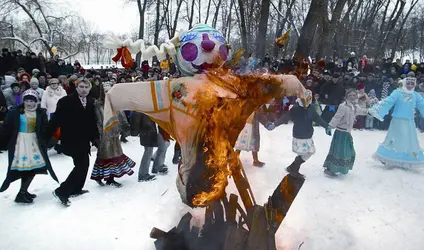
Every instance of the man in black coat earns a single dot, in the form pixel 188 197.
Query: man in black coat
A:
pixel 3 107
pixel 6 62
pixel 75 116
pixel 332 94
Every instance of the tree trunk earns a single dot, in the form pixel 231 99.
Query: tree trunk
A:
pixel 207 11
pixel 215 16
pixel 141 11
pixel 243 30
pixel 263 27
pixel 308 29
pixel 398 36
pixel 88 53
pixel 391 26
pixel 174 27
pixel 229 22
pixel 278 29
pixel 157 28
pixel 227 27
pixel 282 25
pixel 367 24
pixel 329 29
pixel 199 8
pixel 190 20
pixel 37 26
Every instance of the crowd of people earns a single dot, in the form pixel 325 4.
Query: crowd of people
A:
pixel 328 81
pixel 46 104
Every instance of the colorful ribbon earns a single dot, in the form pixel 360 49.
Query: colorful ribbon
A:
pixel 125 55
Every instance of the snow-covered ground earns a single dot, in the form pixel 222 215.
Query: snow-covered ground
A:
pixel 371 208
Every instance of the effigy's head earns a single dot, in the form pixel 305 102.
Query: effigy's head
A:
pixel 200 49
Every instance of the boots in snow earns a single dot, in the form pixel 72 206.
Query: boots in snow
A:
pixel 123 139
pixel 65 201
pixel 329 173
pixel 163 171
pixel 79 193
pixel 32 196
pixel 100 183
pixel 146 178
pixel 293 169
pixel 113 183
pixel 23 198
pixel 58 148
pixel 258 164
pixel 177 155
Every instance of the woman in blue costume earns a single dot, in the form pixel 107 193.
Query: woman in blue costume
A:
pixel 22 132
pixel 401 147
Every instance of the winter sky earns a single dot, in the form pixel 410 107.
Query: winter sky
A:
pixel 108 15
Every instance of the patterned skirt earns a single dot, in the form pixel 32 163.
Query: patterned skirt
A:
pixel 303 147
pixel 27 155
pixel 112 168
pixel 249 138
pixel 342 154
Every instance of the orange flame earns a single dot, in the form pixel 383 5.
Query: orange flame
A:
pixel 225 120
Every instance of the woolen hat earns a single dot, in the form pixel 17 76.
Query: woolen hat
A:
pixel 35 71
pixel 15 84
pixel 9 80
pixel 34 80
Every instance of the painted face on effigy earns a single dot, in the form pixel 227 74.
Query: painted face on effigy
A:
pixel 201 48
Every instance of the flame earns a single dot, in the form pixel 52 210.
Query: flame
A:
pixel 224 118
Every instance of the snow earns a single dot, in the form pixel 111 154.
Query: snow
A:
pixel 371 208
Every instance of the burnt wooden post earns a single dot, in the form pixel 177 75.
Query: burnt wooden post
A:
pixel 226 232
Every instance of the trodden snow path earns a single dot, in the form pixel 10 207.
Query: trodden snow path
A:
pixel 371 208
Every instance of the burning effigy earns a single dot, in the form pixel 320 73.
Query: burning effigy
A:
pixel 205 112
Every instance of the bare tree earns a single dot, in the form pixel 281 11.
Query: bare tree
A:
pixel 329 27
pixel 243 29
pixel 49 28
pixel 304 43
pixel 263 28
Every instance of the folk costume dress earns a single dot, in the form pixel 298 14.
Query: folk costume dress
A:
pixel 23 132
pixel 111 162
pixel 303 115
pixel 401 147
pixel 341 157
pixel 249 138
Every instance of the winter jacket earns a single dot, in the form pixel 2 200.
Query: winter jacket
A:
pixel 372 100
pixel 332 94
pixel 8 138
pixel 6 64
pixel 362 100
pixel 148 132
pixel 344 119
pixel 3 107
pixel 8 81
pixel 40 93
pixel 50 99
pixel 12 99
pixel 77 125
pixel 42 63
pixel 31 63
pixel 303 119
